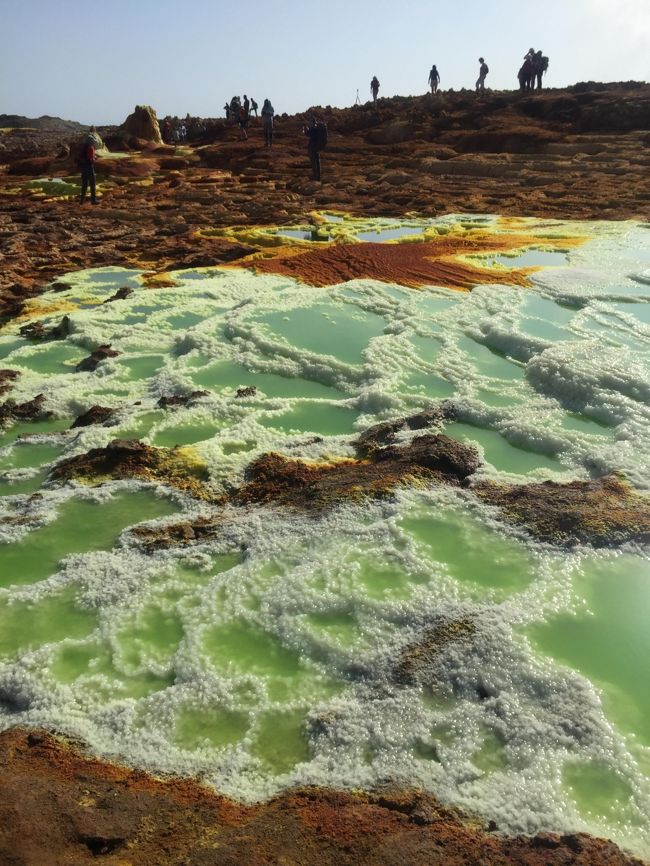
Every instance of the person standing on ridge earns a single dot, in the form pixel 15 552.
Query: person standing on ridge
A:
pixel 242 120
pixel 87 158
pixel 434 78
pixel 540 65
pixel 316 132
pixel 247 105
pixel 374 87
pixel 254 106
pixel 267 122
pixel 482 74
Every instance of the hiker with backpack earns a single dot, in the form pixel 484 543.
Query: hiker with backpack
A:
pixel 540 65
pixel 87 158
pixel 482 74
pixel 434 78
pixel 253 106
pixel 374 87
pixel 268 113
pixel 316 132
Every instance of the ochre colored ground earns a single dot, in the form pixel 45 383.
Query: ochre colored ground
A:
pixel 412 264
pixel 60 808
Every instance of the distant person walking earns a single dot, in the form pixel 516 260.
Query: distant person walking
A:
pixel 253 106
pixel 374 87
pixel 482 75
pixel 87 158
pixel 268 114
pixel 247 105
pixel 434 78
pixel 316 132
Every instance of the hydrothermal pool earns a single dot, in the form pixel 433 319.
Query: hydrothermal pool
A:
pixel 273 652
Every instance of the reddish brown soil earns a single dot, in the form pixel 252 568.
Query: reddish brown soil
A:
pixel 61 808
pixel 603 513
pixel 573 154
pixel 409 264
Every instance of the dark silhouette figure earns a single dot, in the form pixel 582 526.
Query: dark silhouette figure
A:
pixel 254 106
pixel 313 147
pixel 247 105
pixel 267 122
pixel 87 159
pixel 525 74
pixel 482 75
pixel 434 78
pixel 242 120
pixel 374 87
pixel 540 65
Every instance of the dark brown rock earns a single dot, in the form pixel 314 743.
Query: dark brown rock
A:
pixel 130 458
pixel 603 513
pixel 7 378
pixel 38 332
pixel 94 415
pixel 32 410
pixel 181 399
pixel 96 357
pixel 120 295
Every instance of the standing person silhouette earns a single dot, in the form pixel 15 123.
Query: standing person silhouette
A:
pixel 434 78
pixel 87 158
pixel 374 87
pixel 268 113
pixel 482 75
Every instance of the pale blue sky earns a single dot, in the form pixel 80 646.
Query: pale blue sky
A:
pixel 93 62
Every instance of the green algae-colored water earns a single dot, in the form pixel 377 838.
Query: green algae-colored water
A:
pixel 608 638
pixel 268 653
pixel 80 525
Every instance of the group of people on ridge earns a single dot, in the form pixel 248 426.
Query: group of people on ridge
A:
pixel 239 111
pixel 534 66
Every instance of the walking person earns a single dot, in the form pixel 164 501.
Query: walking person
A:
pixel 87 158
pixel 247 105
pixel 482 75
pixel 253 106
pixel 374 87
pixel 434 79
pixel 268 113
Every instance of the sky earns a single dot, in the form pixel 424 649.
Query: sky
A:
pixel 93 62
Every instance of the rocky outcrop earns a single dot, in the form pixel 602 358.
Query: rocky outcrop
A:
pixel 176 400
pixel 77 809
pixel 7 378
pixel 101 353
pixel 37 331
pixel 31 410
pixel 275 479
pixel 126 458
pixel 143 124
pixel 94 415
pixel 603 513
